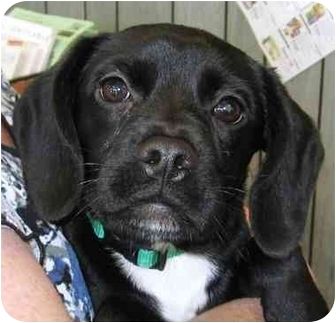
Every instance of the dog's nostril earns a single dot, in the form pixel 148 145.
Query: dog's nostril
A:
pixel 153 157
pixel 148 154
pixel 180 162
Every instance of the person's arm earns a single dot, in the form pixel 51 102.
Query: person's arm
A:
pixel 239 310
pixel 27 293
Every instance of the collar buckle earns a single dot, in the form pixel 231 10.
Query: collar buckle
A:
pixel 150 259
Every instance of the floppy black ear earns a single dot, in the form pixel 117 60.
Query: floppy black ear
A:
pixel 281 193
pixel 45 134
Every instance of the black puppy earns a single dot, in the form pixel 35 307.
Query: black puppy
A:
pixel 138 144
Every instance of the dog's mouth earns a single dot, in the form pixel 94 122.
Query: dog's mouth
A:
pixel 154 217
pixel 148 222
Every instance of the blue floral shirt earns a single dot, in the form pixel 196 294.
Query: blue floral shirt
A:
pixel 50 248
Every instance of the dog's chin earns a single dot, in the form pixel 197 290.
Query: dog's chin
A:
pixel 149 224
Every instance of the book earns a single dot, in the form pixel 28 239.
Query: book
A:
pixel 26 47
pixel 68 30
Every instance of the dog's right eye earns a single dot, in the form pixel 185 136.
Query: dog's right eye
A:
pixel 114 90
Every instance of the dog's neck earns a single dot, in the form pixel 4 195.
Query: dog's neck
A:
pixel 178 281
pixel 180 289
pixel 153 258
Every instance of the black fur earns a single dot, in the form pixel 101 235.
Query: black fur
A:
pixel 79 153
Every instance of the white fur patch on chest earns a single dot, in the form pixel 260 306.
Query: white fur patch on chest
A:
pixel 180 289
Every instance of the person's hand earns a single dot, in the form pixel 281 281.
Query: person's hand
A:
pixel 239 310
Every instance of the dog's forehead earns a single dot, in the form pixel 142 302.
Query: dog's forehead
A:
pixel 170 45
pixel 181 36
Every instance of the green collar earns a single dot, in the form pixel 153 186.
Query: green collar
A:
pixel 145 258
pixel 154 259
pixel 97 226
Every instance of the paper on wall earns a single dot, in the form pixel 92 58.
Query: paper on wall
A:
pixel 292 34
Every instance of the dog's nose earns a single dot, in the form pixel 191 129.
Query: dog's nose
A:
pixel 166 157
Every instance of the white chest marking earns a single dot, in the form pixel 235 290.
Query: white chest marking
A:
pixel 180 289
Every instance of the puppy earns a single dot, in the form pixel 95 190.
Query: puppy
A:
pixel 138 143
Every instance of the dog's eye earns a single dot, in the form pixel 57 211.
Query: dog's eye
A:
pixel 114 90
pixel 228 110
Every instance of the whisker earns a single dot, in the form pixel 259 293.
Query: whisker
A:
pixel 234 189
pixel 88 181
pixel 78 213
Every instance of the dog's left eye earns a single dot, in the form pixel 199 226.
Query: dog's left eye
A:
pixel 114 90
pixel 228 110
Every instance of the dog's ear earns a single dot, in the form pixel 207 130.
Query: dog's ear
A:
pixel 46 136
pixel 280 195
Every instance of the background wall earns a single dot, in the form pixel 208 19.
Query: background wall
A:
pixel 313 90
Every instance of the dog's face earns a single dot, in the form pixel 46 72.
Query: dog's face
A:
pixel 167 125
pixel 155 128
